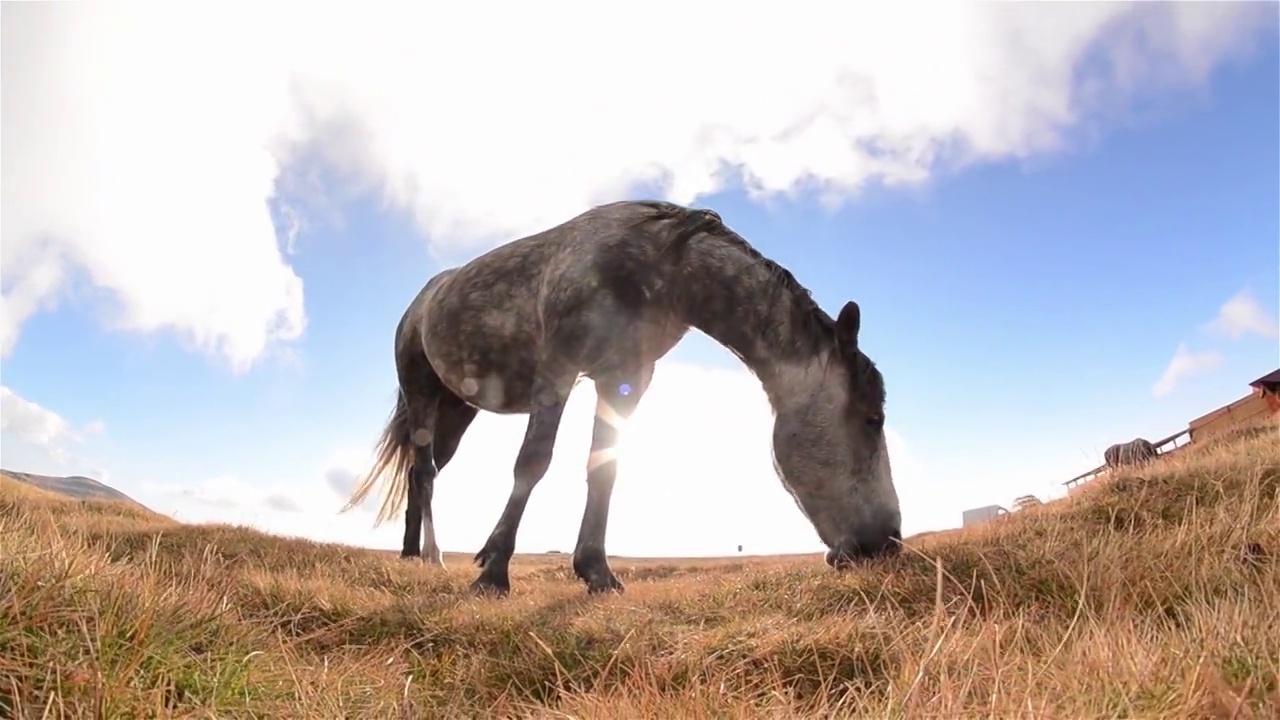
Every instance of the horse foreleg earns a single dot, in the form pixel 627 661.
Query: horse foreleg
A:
pixel 616 399
pixel 531 464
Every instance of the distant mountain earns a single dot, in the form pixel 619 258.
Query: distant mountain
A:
pixel 76 486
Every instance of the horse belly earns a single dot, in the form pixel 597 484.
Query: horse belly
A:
pixel 495 389
pixel 499 381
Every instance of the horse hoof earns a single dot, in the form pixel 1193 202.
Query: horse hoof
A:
pixel 482 588
pixel 609 585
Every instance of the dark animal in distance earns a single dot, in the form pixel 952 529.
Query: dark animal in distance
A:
pixel 1133 453
pixel 605 295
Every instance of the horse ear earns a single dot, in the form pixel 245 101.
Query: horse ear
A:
pixel 847 325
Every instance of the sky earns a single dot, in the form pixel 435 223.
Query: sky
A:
pixel 1061 221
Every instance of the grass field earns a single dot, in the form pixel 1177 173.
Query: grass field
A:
pixel 1136 598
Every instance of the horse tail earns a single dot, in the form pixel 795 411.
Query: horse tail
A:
pixel 395 454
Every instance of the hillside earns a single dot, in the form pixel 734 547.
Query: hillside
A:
pixel 1150 595
pixel 74 486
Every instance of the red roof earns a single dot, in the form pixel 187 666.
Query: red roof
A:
pixel 1270 381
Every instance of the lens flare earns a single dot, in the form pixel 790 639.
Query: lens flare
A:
pixel 606 413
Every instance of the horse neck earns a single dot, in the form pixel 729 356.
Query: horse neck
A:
pixel 742 303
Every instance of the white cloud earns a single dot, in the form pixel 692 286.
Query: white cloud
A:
pixel 42 428
pixel 34 289
pixel 1185 365
pixel 1241 316
pixel 143 143
pixel 281 509
pixel 341 480
pixel 228 492
pixel 95 427
pixel 137 153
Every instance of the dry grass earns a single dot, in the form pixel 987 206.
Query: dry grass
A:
pixel 1132 600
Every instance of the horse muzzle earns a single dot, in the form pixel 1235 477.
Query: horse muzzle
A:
pixel 865 546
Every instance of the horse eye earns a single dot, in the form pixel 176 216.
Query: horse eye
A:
pixel 875 422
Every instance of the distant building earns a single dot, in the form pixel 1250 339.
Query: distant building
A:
pixel 1026 501
pixel 1267 387
pixel 979 515
pixel 1262 401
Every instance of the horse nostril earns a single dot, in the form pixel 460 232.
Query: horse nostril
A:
pixel 852 550
pixel 841 558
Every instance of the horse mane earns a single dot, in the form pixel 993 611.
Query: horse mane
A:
pixel 689 223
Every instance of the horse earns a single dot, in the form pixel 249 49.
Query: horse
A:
pixel 1138 451
pixel 605 295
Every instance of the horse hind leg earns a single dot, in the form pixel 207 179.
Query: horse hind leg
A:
pixel 419 489
pixel 422 392
pixel 452 418
pixel 412 547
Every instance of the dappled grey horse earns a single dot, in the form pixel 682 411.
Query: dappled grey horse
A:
pixel 605 295
pixel 1135 452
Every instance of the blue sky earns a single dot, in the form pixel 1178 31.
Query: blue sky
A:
pixel 1023 306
